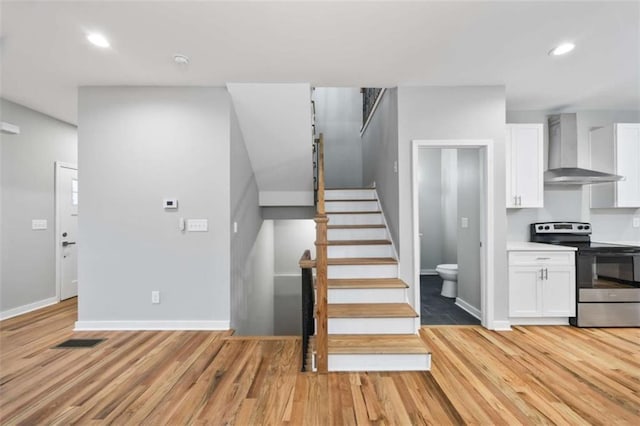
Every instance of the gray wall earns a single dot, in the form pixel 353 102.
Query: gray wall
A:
pixel 137 146
pixel 449 211
pixel 27 175
pixel 452 113
pixel 468 239
pixel 339 118
pixel 430 199
pixel 252 257
pixel 572 203
pixel 379 152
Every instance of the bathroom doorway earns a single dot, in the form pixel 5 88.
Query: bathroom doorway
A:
pixel 450 211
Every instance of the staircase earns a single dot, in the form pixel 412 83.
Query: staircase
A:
pixel 370 325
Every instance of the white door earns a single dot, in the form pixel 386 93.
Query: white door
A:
pixel 559 291
pixel 66 229
pixel 524 147
pixel 524 291
pixel 628 162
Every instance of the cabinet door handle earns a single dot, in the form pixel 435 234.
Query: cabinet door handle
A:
pixel 515 200
pixel 546 274
pixel 519 200
pixel 543 258
pixel 541 274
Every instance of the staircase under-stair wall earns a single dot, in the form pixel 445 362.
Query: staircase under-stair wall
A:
pixel 371 326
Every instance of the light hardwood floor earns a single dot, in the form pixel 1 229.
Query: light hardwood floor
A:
pixel 532 375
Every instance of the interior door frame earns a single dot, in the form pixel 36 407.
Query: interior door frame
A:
pixel 487 239
pixel 59 165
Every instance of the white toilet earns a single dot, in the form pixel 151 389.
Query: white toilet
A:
pixel 449 274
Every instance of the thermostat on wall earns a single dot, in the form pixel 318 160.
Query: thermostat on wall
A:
pixel 170 203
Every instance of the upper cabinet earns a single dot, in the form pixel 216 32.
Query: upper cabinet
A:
pixel 525 168
pixel 616 149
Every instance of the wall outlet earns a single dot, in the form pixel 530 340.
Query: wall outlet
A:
pixel 636 222
pixel 395 166
pixel 235 227
pixel 39 224
pixel 464 222
pixel 155 296
pixel 197 225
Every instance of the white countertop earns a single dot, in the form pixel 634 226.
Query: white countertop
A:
pixel 527 246
pixel 622 243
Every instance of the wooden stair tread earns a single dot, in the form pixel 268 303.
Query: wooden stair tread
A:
pixel 350 200
pixel 366 283
pixel 357 212
pixel 362 261
pixel 358 242
pixel 376 344
pixel 355 226
pixel 370 310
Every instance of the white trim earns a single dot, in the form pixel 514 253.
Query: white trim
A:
pixel 428 272
pixel 285 198
pixel 487 252
pixel 373 111
pixel 540 321
pixel 58 239
pixel 13 312
pixel 151 325
pixel 500 325
pixel 469 308
pixel 386 225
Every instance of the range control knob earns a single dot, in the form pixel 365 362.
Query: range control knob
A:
pixel 580 226
pixel 587 227
pixel 546 227
pixel 540 227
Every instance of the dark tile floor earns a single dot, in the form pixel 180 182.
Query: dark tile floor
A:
pixel 438 310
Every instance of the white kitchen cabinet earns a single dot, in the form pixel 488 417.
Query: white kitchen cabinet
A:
pixel 542 284
pixel 616 149
pixel 525 168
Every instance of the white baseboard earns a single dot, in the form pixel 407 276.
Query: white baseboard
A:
pixel 472 310
pixel 151 325
pixel 540 321
pixel 428 272
pixel 500 326
pixel 14 312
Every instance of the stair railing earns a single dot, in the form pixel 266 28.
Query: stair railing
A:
pixel 308 326
pixel 321 220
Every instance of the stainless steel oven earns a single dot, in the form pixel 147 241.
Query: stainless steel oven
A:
pixel 607 275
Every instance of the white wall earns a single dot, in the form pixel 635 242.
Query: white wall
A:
pixel 276 124
pixel 571 203
pixel 339 118
pixel 379 152
pixel 137 146
pixel 27 183
pixel 452 113
pixel 291 239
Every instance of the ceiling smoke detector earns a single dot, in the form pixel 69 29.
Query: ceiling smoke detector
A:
pixel 181 59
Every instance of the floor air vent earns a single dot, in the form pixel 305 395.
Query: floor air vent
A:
pixel 79 343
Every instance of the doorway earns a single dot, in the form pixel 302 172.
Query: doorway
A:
pixel 469 240
pixel 66 205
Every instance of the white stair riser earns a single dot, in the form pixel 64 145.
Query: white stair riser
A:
pixel 362 271
pixel 351 206
pixel 351 194
pixel 367 295
pixel 373 250
pixel 357 234
pixel 372 326
pixel 355 219
pixel 379 362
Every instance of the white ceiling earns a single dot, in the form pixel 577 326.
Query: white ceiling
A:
pixel 45 55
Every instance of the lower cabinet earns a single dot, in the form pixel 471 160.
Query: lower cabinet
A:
pixel 542 284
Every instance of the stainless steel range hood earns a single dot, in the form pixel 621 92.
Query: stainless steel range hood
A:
pixel 563 155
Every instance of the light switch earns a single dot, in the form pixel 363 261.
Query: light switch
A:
pixel 395 166
pixel 464 222
pixel 235 227
pixel 39 224
pixel 197 225
pixel 636 222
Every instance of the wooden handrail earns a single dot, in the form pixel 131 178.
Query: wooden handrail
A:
pixel 321 219
pixel 305 261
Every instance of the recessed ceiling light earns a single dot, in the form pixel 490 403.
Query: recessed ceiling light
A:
pixel 181 59
pixel 562 49
pixel 98 40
